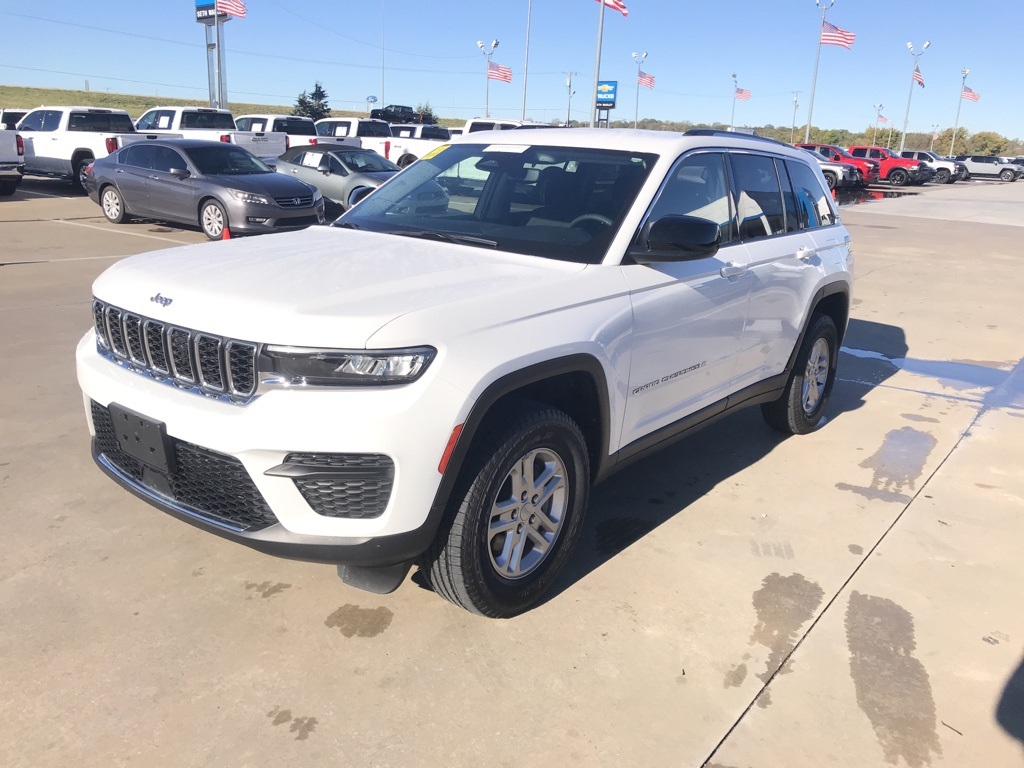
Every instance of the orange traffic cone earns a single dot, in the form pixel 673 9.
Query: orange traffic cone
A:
pixel 226 234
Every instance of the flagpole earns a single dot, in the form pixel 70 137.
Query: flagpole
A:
pixel 526 61
pixel 639 63
pixel 878 117
pixel 906 117
pixel 735 88
pixel 597 65
pixel 817 56
pixel 959 103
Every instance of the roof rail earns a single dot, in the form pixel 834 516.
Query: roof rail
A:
pixel 730 135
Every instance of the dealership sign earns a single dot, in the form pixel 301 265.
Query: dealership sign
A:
pixel 206 12
pixel 605 96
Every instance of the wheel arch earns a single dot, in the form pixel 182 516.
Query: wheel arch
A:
pixel 832 299
pixel 575 384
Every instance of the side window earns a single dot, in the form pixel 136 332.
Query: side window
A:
pixel 164 119
pixel 697 187
pixel 33 121
pixel 758 196
pixel 481 127
pixel 141 155
pixel 788 198
pixel 243 123
pixel 813 201
pixel 147 122
pixel 165 158
pixel 877 154
pixel 51 120
pixel 859 152
pixel 335 165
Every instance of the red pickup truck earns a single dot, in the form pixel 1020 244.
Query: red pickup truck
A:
pixel 897 170
pixel 868 168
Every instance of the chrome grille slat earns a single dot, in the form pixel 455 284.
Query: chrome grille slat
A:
pixel 200 362
pixel 290 202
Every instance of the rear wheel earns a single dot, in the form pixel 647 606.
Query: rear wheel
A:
pixel 81 164
pixel 942 176
pixel 1007 175
pixel 405 160
pixel 898 177
pixel 801 407
pixel 8 188
pixel 515 516
pixel 113 205
pixel 213 219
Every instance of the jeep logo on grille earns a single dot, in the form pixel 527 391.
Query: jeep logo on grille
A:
pixel 163 301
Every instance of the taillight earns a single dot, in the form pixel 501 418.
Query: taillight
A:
pixel 21 145
pixel 312 142
pixel 287 142
pixel 111 143
pixel 387 150
pixel 226 138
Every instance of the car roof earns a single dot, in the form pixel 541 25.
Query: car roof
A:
pixel 97 110
pixel 184 143
pixel 629 140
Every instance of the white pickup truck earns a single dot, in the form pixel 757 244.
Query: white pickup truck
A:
pixel 12 161
pixel 214 125
pixel 63 141
pixel 297 130
pixel 377 135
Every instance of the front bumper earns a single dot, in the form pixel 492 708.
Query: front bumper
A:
pixel 921 175
pixel 409 424
pixel 256 218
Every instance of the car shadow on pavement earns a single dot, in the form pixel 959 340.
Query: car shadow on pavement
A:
pixel 1010 710
pixel 640 498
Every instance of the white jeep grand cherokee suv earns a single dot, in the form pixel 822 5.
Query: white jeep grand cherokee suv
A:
pixel 441 376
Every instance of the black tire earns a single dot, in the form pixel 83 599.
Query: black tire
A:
pixel 942 176
pixel 898 177
pixel 8 188
pixel 112 205
pixel 213 219
pixel 1007 175
pixel 80 165
pixel 405 161
pixel 831 179
pixel 797 411
pixel 470 564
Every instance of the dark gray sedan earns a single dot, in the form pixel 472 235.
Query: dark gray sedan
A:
pixel 215 185
pixel 339 172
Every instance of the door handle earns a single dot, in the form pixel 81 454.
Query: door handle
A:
pixel 155 178
pixel 805 253
pixel 732 269
pixel 118 170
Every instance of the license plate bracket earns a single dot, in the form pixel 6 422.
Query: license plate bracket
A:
pixel 143 439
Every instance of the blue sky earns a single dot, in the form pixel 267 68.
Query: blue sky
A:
pixel 430 54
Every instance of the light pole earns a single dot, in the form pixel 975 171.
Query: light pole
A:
pixel 796 106
pixel 878 116
pixel 735 87
pixel 824 5
pixel 487 72
pixel 959 103
pixel 935 135
pixel 639 63
pixel 906 117
pixel 568 86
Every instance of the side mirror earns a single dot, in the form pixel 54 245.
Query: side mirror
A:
pixel 677 238
pixel 359 195
pixel 179 173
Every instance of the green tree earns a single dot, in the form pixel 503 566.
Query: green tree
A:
pixel 313 104
pixel 987 143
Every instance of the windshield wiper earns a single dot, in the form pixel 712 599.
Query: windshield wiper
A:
pixel 447 237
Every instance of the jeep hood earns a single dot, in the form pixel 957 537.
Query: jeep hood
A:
pixel 322 286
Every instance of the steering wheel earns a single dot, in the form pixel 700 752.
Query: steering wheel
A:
pixel 596 217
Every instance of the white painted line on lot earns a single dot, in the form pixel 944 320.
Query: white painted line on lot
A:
pixel 119 231
pixel 43 194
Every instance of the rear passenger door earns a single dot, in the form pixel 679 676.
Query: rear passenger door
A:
pixel 133 176
pixel 171 197
pixel 787 224
pixel 688 316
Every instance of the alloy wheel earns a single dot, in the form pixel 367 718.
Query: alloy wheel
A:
pixel 815 376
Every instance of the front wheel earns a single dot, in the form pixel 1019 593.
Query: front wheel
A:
pixel 899 178
pixel 8 188
pixel 213 219
pixel 1007 175
pixel 942 176
pixel 405 161
pixel 515 516
pixel 832 179
pixel 801 407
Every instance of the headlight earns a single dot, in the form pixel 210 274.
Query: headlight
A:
pixel 307 367
pixel 317 195
pixel 915 167
pixel 248 197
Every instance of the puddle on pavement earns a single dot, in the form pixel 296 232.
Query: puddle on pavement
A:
pixel 845 197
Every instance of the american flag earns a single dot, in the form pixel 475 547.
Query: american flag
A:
pixel 231 8
pixel 833 35
pixel 742 94
pixel 616 5
pixel 918 77
pixel 498 72
pixel 645 79
pixel 969 94
pixel 883 119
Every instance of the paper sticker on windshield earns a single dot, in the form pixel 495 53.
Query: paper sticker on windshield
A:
pixel 435 152
pixel 516 148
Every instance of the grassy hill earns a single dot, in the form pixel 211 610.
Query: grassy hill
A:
pixel 14 96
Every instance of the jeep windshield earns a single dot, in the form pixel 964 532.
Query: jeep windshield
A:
pixel 562 203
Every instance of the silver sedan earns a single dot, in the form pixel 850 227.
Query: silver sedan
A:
pixel 341 173
pixel 219 186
